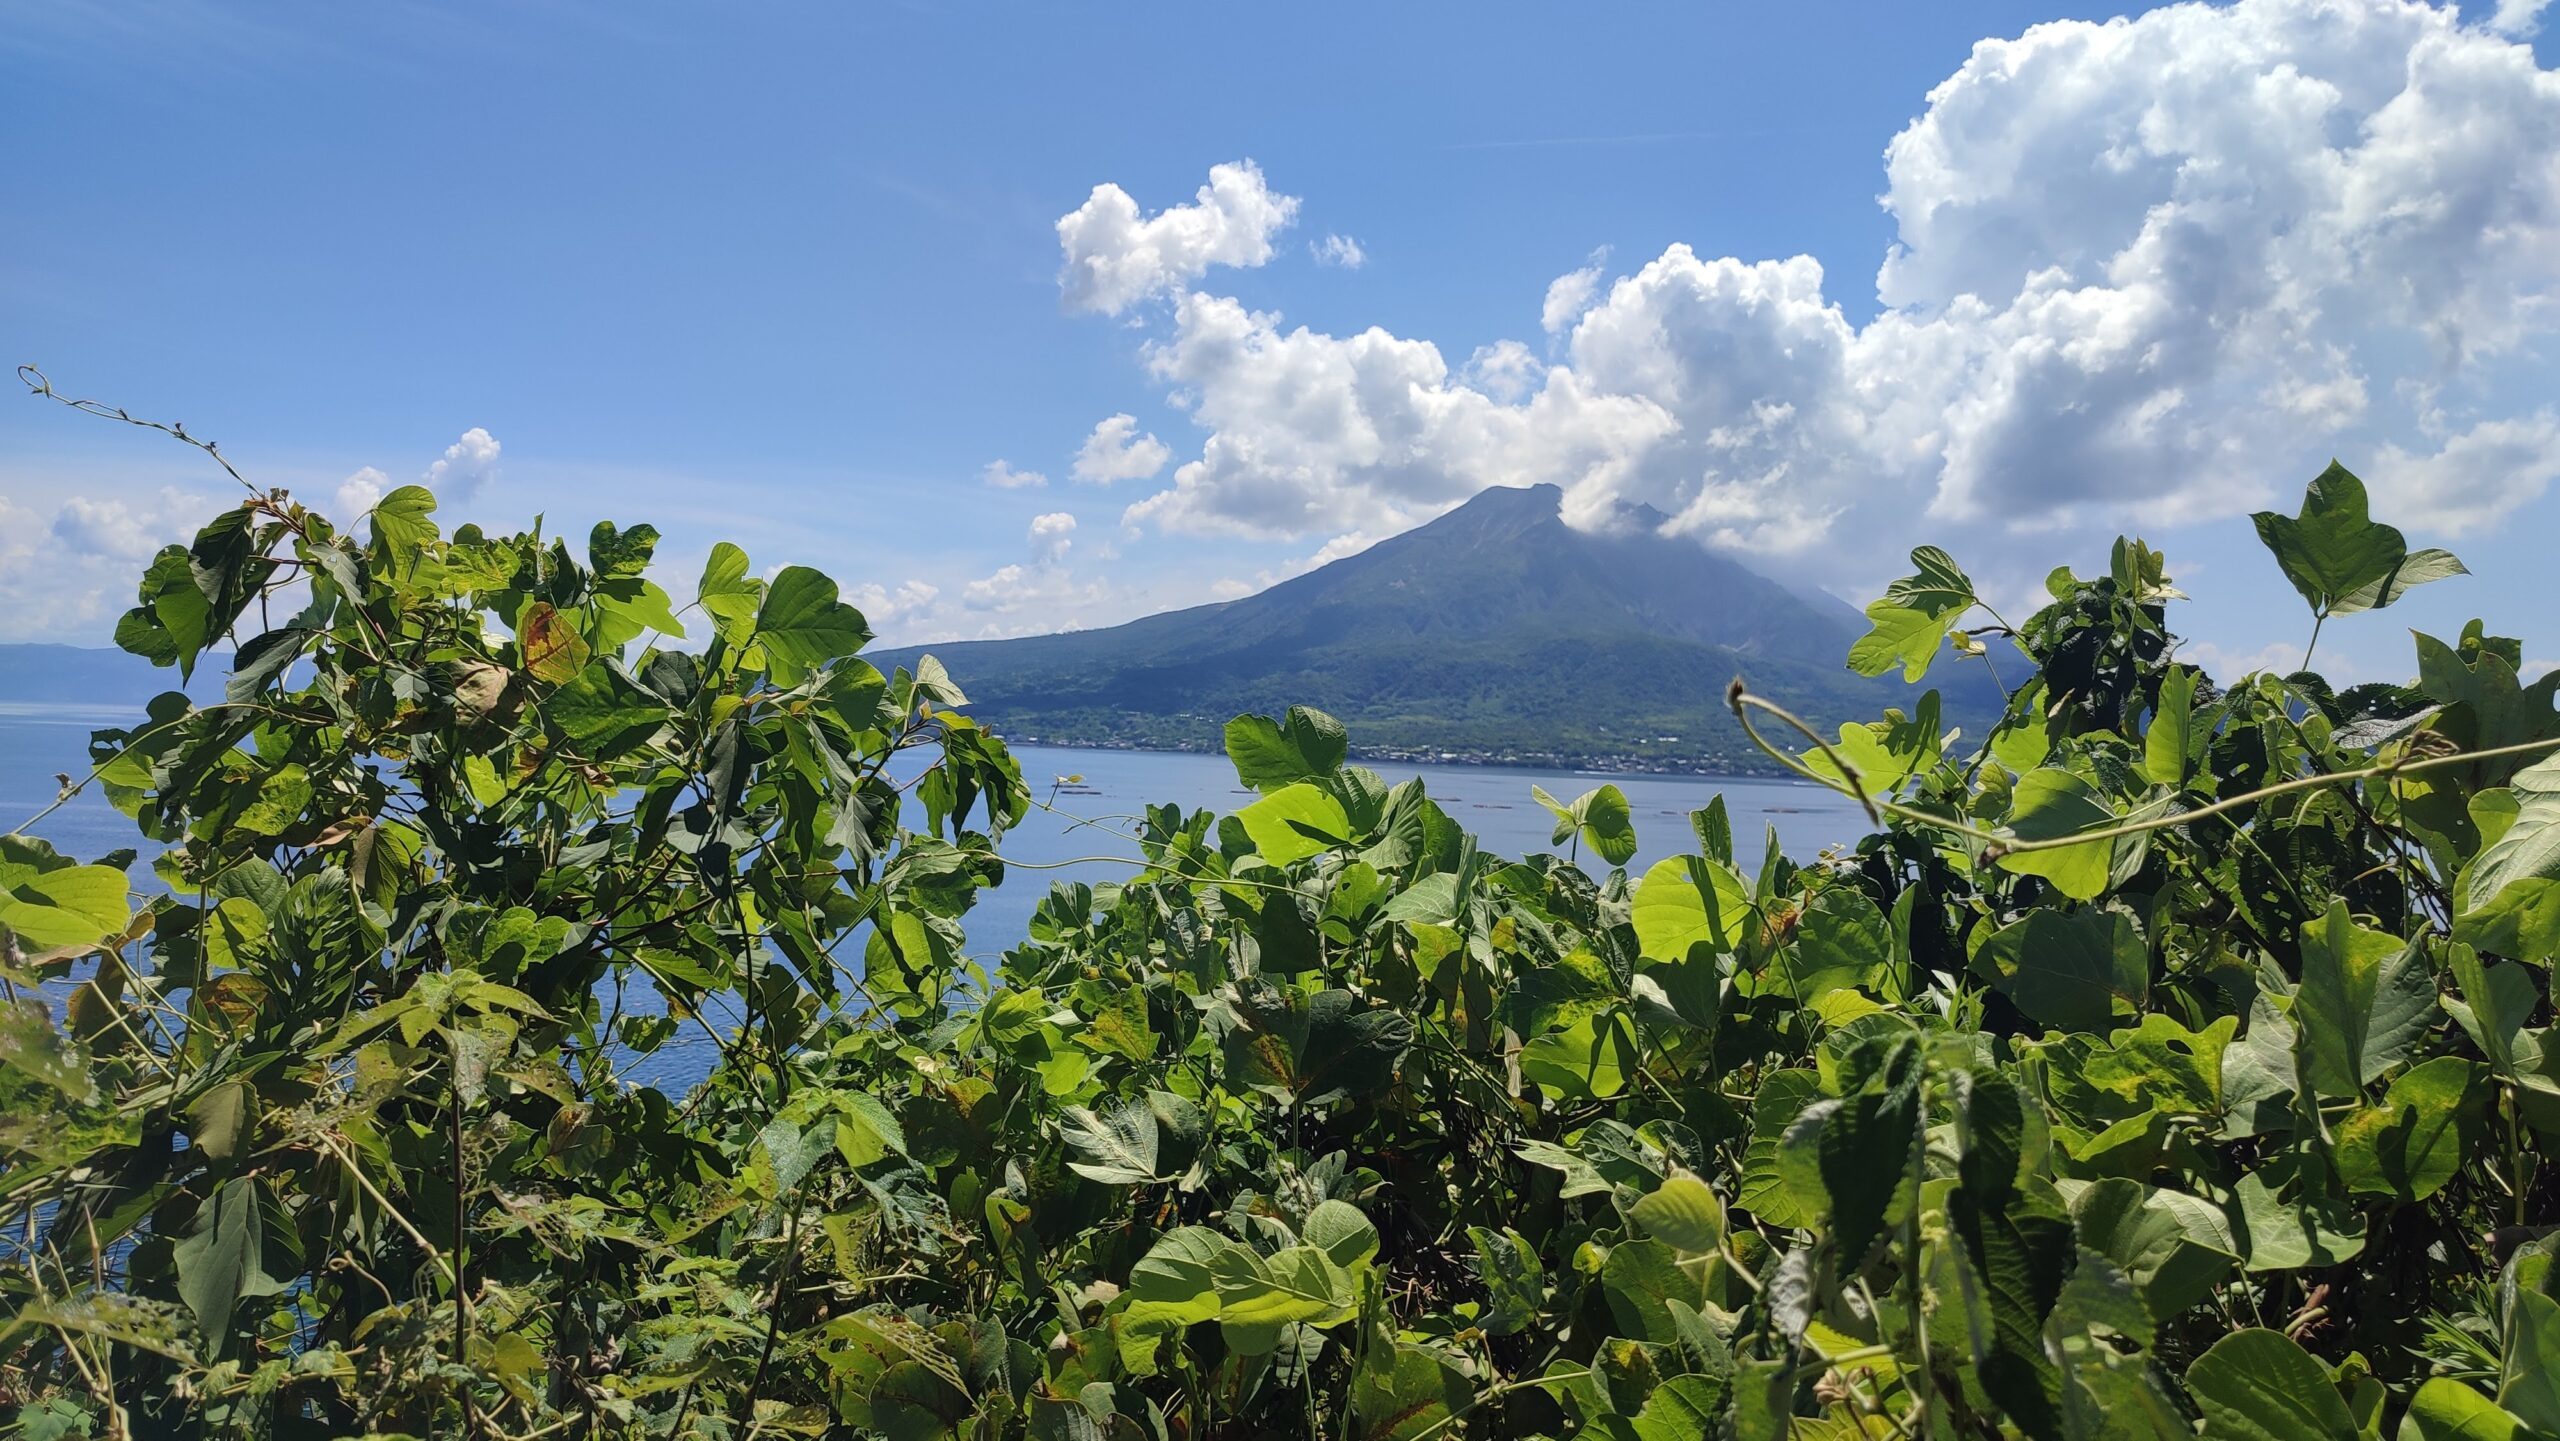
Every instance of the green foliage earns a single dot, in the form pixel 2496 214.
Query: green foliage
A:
pixel 2175 1057
pixel 2339 558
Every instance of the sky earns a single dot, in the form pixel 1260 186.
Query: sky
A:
pixel 1024 317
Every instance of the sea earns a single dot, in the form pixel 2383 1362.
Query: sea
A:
pixel 1082 839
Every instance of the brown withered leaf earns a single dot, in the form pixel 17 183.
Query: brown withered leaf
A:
pixel 553 649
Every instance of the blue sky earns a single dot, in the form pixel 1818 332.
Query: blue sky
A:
pixel 792 275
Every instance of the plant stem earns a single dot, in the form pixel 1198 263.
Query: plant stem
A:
pixel 461 1254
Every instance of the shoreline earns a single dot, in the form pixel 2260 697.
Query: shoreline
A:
pixel 1597 766
pixel 1589 763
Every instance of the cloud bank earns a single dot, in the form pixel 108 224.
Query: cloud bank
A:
pixel 1116 451
pixel 1116 258
pixel 2154 268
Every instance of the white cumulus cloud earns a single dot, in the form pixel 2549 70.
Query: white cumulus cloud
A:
pixel 112 530
pixel 1026 599
pixel 2474 479
pixel 881 605
pixel 1116 257
pixel 1052 535
pixel 359 493
pixel 2156 268
pixel 1312 432
pixel 67 572
pixel 2520 18
pixel 1116 451
pixel 1570 294
pixel 1341 252
pixel 1004 477
pixel 466 466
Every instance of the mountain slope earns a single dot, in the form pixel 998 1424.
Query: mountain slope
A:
pixel 86 678
pixel 1496 632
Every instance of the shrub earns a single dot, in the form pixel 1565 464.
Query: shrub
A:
pixel 2173 1055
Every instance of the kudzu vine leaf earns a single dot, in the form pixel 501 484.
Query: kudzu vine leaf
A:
pixel 2174 1247
pixel 2494 1004
pixel 2529 1382
pixel 1590 1059
pixel 1687 901
pixel 2049 804
pixel 2333 551
pixel 1764 1190
pixel 1413 1396
pixel 602 713
pixel 1169 1290
pixel 2259 1074
pixel 1117 1148
pixel 1125 1146
pixel 1899 635
pixel 932 682
pixel 1684 1213
pixel 1120 1026
pixel 2260 1385
pixel 727 592
pixel 1873 757
pixel 2365 999
pixel 1914 616
pixel 222 1119
pixel 1841 941
pixel 2446 1410
pixel 2164 1065
pixel 33 1048
pixel 2523 922
pixel 1682 1408
pixel 866 1130
pixel 2280 1235
pixel 2069 971
pixel 2172 746
pixel 402 528
pixel 63 906
pixel 1258 1295
pixel 1640 1278
pixel 1433 900
pixel 1313 1048
pixel 2410 1146
pixel 218 1259
pixel 2417 569
pixel 2529 850
pixel 264 657
pixel 1608 825
pixel 802 625
pixel 170 626
pixel 1512 1276
pixel 1338 1229
pixel 911 1403
pixel 552 649
pixel 1566 820
pixel 1581 1178
pixel 1294 822
pixel 1307 745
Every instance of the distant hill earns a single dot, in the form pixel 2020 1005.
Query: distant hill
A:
pixel 93 679
pixel 1495 633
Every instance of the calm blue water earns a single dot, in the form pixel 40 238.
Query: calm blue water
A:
pixel 1494 802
